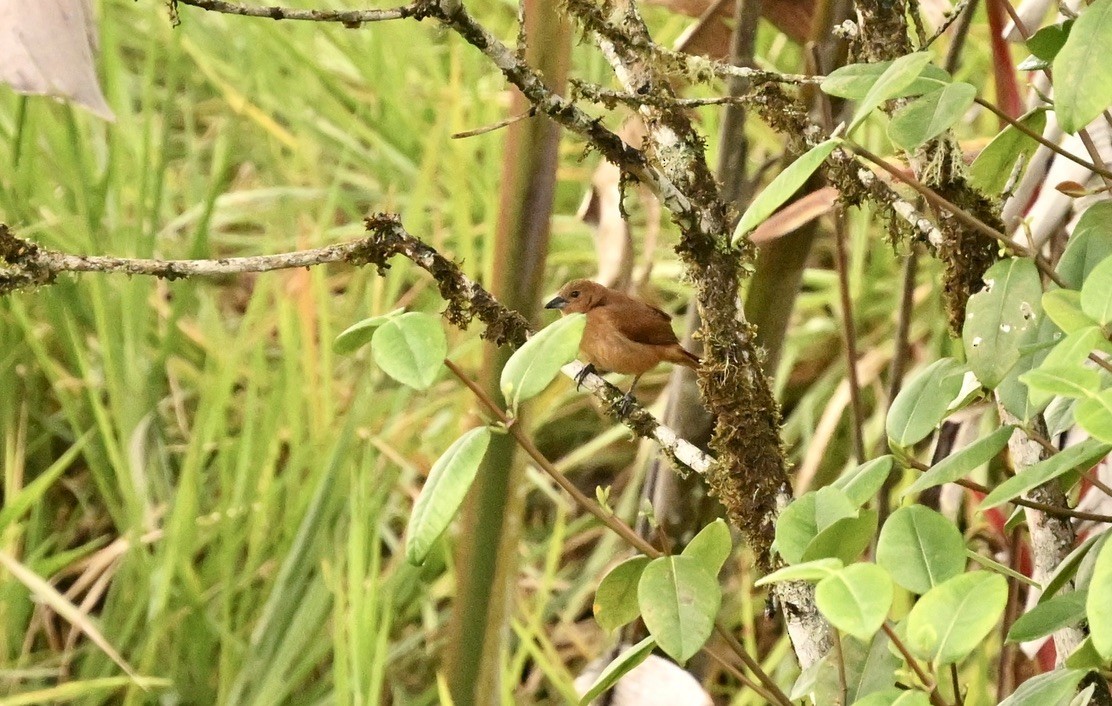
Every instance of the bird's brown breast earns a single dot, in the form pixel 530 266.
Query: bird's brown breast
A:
pixel 629 338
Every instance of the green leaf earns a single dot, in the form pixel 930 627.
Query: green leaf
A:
pixel 922 403
pixel 964 462
pixel 870 670
pixel 865 481
pixel 993 565
pixel 1070 353
pixel 1096 293
pixel 809 571
pixel 616 597
pixel 993 167
pixel 899 75
pixel 679 600
pixel 1082 455
pixel 782 187
pixel 887 697
pixel 1088 245
pixel 410 348
pixel 856 599
pixel 912 698
pixel 1068 567
pixel 358 335
pixel 1063 306
pixel 711 547
pixel 1048 41
pixel 1082 72
pixel 920 548
pixel 1094 415
pixel 450 478
pixel 845 539
pixel 1099 603
pixel 536 364
pixel 1054 688
pixel 930 116
pixel 806 516
pixel 1045 618
pixel 998 318
pixel 1085 656
pixel 855 80
pixel 1066 380
pixel 1012 394
pixel 951 619
pixel 621 665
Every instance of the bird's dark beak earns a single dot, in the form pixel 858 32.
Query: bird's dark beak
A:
pixel 556 303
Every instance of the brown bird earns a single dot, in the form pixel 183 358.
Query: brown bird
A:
pixel 623 335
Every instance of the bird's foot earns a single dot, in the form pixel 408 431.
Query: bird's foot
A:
pixel 626 404
pixel 588 369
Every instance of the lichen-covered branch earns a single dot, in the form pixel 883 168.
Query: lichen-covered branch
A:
pixel 1052 536
pixel 351 18
pixel 24 264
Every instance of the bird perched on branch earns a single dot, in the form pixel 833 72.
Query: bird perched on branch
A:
pixel 623 335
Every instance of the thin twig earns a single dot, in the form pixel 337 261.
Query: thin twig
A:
pixel 496 126
pixel 1050 145
pixel 948 20
pixel 935 697
pixel 843 687
pixel 849 335
pixel 938 201
pixel 609 519
pixel 345 17
pixel 958 700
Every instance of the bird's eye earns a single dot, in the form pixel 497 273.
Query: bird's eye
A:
pixel 574 294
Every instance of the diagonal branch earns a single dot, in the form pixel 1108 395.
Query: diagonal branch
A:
pixel 24 264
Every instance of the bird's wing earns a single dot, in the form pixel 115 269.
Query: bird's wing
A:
pixel 642 323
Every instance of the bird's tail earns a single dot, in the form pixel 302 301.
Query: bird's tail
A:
pixel 682 356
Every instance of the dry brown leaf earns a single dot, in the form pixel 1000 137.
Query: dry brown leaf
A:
pixel 792 17
pixel 795 215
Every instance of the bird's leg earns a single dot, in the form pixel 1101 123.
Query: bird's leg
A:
pixel 588 369
pixel 628 399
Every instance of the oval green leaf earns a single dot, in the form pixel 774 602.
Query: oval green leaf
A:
pixel 410 348
pixel 920 548
pixel 1096 293
pixel 1066 380
pixel 855 80
pixel 964 462
pixel 999 317
pixel 845 539
pixel 782 187
pixel 1055 688
pixel 1045 618
pixel 900 74
pixel 951 619
pixel 1094 415
pixel 809 571
pixel 448 482
pixel 359 334
pixel 1082 72
pixel 1082 455
pixel 856 599
pixel 930 115
pixel 616 597
pixel 1063 306
pixel 1099 603
pixel 993 167
pixel 865 481
pixel 1089 244
pixel 711 547
pixel 536 364
pixel 922 403
pixel 679 601
pixel 806 516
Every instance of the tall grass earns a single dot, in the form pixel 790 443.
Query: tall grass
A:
pixel 190 464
